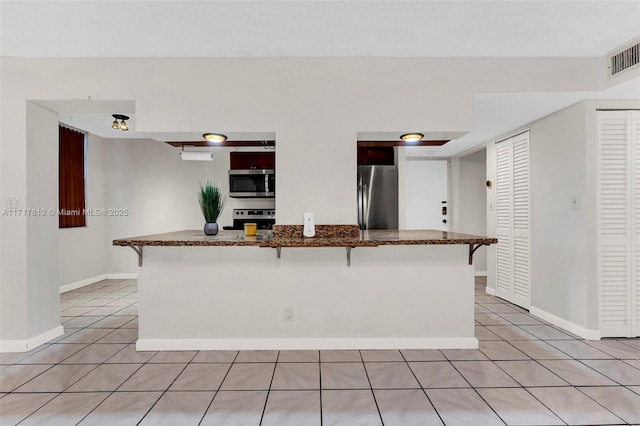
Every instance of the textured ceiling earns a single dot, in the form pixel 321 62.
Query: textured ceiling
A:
pixel 63 28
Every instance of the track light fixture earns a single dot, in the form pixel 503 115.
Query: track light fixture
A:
pixel 122 125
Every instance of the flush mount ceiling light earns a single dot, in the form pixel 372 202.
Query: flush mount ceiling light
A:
pixel 215 137
pixel 122 125
pixel 412 137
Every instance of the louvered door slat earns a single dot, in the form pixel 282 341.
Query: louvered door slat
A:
pixel 615 191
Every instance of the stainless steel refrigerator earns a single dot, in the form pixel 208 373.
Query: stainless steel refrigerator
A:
pixel 378 197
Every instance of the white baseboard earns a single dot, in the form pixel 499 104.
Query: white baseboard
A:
pixel 585 333
pixel 306 344
pixel 28 344
pixel 481 273
pixel 78 284
pixel 122 276
pixel 490 290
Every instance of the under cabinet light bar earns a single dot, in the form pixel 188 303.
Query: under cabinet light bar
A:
pixel 196 155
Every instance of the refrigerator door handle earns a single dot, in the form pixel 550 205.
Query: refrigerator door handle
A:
pixel 365 205
pixel 360 221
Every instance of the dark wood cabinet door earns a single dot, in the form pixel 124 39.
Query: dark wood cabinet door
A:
pixel 252 160
pixel 382 156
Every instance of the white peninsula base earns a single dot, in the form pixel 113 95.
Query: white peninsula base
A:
pixel 221 297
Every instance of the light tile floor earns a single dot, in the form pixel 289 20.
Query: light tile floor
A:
pixel 526 372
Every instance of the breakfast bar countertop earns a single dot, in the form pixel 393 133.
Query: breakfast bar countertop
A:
pixel 291 236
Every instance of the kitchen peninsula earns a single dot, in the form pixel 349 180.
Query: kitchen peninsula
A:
pixel 393 289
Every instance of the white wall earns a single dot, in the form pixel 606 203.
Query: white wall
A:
pixel 316 106
pixel 471 209
pixel 159 190
pixel 42 304
pixel 558 233
pixel 156 187
pixel 83 251
pixel 563 241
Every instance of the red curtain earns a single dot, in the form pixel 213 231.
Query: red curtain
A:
pixel 71 178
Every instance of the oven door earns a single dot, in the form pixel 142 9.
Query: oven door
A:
pixel 258 183
pixel 238 224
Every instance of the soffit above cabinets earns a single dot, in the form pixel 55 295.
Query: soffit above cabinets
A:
pixel 494 116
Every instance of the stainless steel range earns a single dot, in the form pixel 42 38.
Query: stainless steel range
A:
pixel 264 218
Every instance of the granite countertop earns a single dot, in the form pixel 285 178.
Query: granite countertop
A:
pixel 291 236
pixel 196 238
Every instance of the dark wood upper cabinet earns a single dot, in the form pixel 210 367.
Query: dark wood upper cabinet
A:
pixel 378 156
pixel 252 160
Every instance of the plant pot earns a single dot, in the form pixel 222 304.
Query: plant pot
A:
pixel 210 228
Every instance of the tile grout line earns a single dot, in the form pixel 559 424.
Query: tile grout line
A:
pixel 535 360
pixel 572 358
pixel 219 386
pixel 110 392
pixel 476 390
pixel 375 400
pixel 266 401
pixel 527 390
pixel 103 288
pixel 120 385
pixel 320 382
pixel 167 388
pixel 60 363
pixel 580 390
pixel 424 391
pixel 37 409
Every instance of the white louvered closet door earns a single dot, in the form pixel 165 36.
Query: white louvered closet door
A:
pixel 618 222
pixel 521 233
pixel 504 216
pixel 512 220
pixel 635 290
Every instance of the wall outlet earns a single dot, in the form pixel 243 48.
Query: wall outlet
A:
pixel 288 313
pixel 575 202
pixel 12 202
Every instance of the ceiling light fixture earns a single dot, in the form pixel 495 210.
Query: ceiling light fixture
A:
pixel 215 137
pixel 122 125
pixel 412 137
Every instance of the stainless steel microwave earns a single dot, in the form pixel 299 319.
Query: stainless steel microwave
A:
pixel 253 183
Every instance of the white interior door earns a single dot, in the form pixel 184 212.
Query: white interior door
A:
pixel 635 287
pixel 513 252
pixel 426 187
pixel 504 218
pixel 619 222
pixel 521 233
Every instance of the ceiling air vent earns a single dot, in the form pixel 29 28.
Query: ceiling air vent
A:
pixel 624 59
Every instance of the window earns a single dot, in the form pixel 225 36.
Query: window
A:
pixel 71 173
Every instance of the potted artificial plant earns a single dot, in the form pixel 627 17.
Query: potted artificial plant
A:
pixel 211 203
